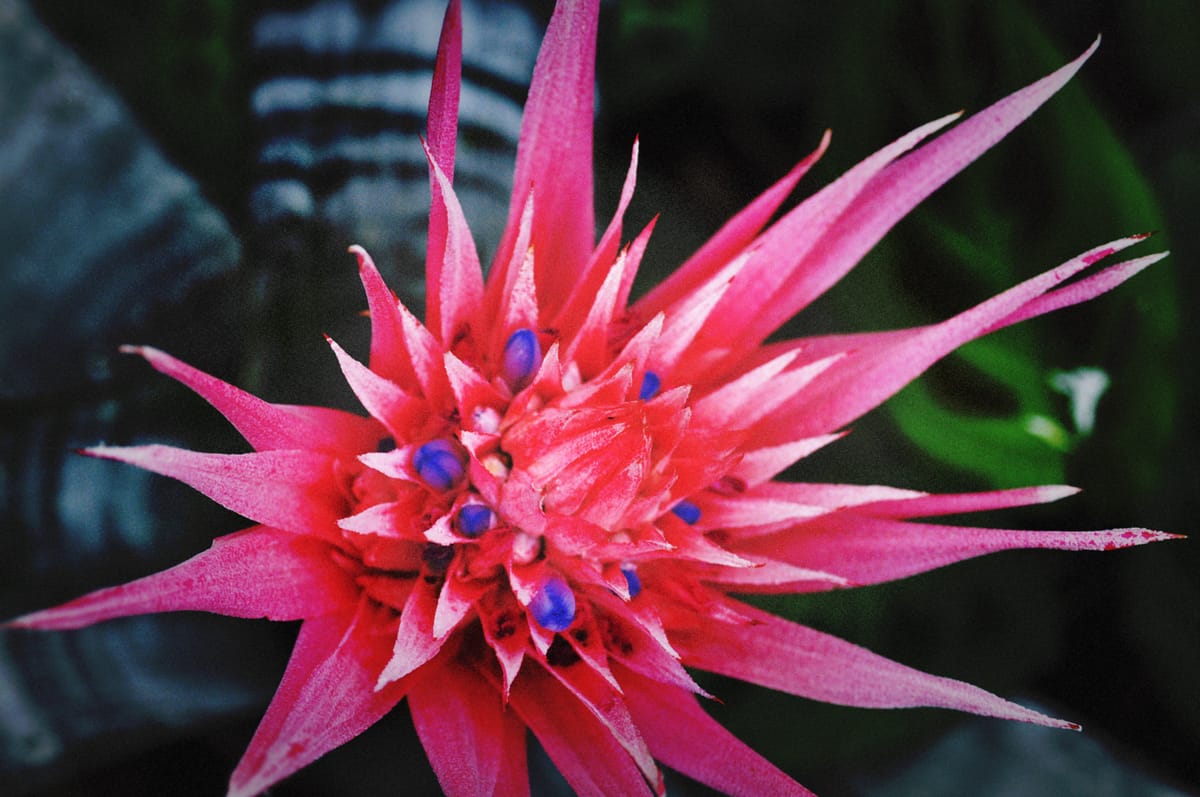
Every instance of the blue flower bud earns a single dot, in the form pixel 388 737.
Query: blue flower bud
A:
pixel 473 520
pixel 686 511
pixel 553 606
pixel 441 463
pixel 631 579
pixel 522 357
pixel 650 385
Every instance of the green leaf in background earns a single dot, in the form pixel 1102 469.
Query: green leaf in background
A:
pixel 1027 447
pixel 1086 181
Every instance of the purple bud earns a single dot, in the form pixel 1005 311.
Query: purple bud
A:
pixel 686 511
pixel 631 580
pixel 553 606
pixel 522 357
pixel 650 385
pixel 473 520
pixel 441 463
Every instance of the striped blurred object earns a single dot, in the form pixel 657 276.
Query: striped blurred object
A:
pixel 103 242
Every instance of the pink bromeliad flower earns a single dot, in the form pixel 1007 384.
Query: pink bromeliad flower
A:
pixel 558 492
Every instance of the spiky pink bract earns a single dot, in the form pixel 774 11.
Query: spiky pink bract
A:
pixel 542 522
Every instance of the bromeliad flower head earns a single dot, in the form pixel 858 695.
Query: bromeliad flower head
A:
pixel 544 520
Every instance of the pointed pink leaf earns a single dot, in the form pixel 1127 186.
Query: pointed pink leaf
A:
pixel 773 576
pixel 760 464
pixel 888 196
pixel 632 645
pixel 388 520
pixel 401 413
pixel 269 426
pixel 554 154
pixel 610 500
pixel 755 306
pixel 633 260
pixel 636 351
pixel 326 697
pixel 722 406
pixel 585 639
pixel 684 320
pixel 580 746
pixel 471 390
pixel 605 702
pixel 1081 291
pixel 831 496
pixel 513 778
pixel 781 655
pixel 690 544
pixel 455 603
pixel 599 264
pixel 259 572
pixel 589 340
pixel 883 363
pixel 745 510
pixel 510 297
pixel 290 490
pixel 927 505
pixel 868 550
pixel 389 355
pixel 705 751
pixel 441 128
pixel 460 720
pixel 427 356
pixel 414 643
pixel 455 282
pixel 727 243
pixel 395 464
pixel 506 632
pixel 782 389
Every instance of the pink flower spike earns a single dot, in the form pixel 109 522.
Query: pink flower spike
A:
pixel 898 188
pixel 325 699
pixel 401 413
pixel 588 285
pixel 584 751
pixel 554 155
pixel 259 572
pixel 414 643
pixel 879 364
pixel 442 130
pixel 268 426
pixel 791 658
pixel 1083 290
pixel 950 504
pixel 779 263
pixel 728 242
pixel 389 357
pixel 289 490
pixel 455 283
pixel 870 550
pixel 543 522
pixel 707 752
pixel 462 723
pixel 442 124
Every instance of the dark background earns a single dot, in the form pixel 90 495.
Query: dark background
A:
pixel 725 98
